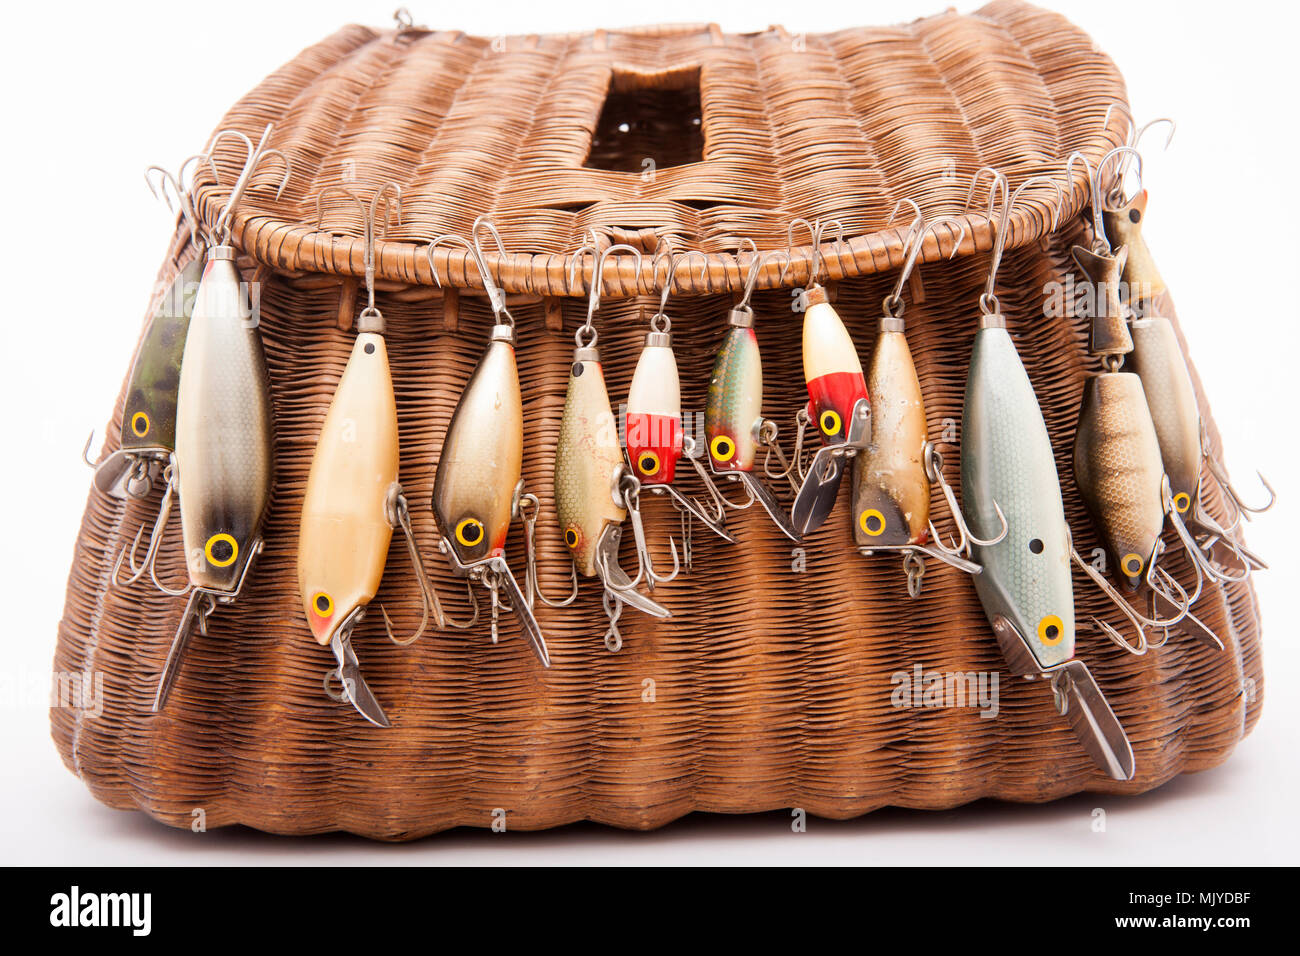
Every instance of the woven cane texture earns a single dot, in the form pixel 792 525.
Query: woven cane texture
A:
pixel 769 687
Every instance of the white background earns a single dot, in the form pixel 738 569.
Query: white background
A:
pixel 95 92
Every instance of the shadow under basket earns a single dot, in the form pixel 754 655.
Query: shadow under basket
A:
pixel 772 685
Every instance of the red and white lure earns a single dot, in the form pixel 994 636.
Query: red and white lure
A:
pixel 655 437
pixel 838 403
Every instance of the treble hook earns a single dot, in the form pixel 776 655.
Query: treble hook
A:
pixel 597 282
pixel 988 301
pixel 629 488
pixel 525 507
pixel 933 459
pixel 816 229
pixel 496 298
pixel 183 201
pixel 1220 475
pixel 254 157
pixel 398 512
pixel 155 541
pixel 1139 621
pixel 1100 242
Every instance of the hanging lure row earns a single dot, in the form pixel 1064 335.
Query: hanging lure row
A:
pixel 1012 535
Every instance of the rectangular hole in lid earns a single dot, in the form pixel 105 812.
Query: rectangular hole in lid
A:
pixel 649 121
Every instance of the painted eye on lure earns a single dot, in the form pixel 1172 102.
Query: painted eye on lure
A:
pixel 322 604
pixel 1182 501
pixel 469 532
pixel 872 522
pixel 573 538
pixel 1132 564
pixel 722 448
pixel 1051 630
pixel 648 463
pixel 830 423
pixel 221 550
pixel 139 424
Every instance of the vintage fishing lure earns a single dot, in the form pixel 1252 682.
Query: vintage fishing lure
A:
pixel 1117 461
pixel 734 426
pixel 892 475
pixel 838 402
pixel 148 430
pixel 594 489
pixel 654 435
pixel 353 500
pixel 478 490
pixel 1024 585
pixel 222 466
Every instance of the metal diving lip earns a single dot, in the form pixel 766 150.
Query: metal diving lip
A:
pixel 816 498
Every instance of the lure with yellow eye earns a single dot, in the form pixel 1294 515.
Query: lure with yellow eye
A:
pixel 1118 470
pixel 344 532
pixel 482 456
pixel 831 369
pixel 587 462
pixel 654 413
pixel 223 430
pixel 734 407
pixel 1167 384
pixel 891 494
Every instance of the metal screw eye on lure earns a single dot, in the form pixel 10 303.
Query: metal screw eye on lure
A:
pixel 222 465
pixel 838 402
pixel 479 489
pixel 1117 463
pixel 654 432
pixel 892 475
pixel 353 500
pixel 1024 583
pixel 594 489
pixel 734 426
pixel 1160 365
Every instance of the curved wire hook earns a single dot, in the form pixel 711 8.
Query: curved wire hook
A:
pixel 597 283
pixel 893 304
pixel 816 229
pixel 255 156
pixel 186 207
pixel 369 228
pixel 988 300
pixel 660 322
pixel 1100 244
pixel 756 266
pixel 933 460
pixel 496 298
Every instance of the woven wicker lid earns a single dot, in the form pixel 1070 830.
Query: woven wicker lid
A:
pixel 553 136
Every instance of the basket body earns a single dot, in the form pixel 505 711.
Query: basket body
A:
pixel 771 685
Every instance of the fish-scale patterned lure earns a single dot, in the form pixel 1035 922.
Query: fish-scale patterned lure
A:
pixel 1008 469
pixel 594 489
pixel 222 467
pixel 734 426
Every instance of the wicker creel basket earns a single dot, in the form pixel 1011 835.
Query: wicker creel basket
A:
pixel 768 687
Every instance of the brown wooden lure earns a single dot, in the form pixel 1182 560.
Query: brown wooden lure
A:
pixel 892 475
